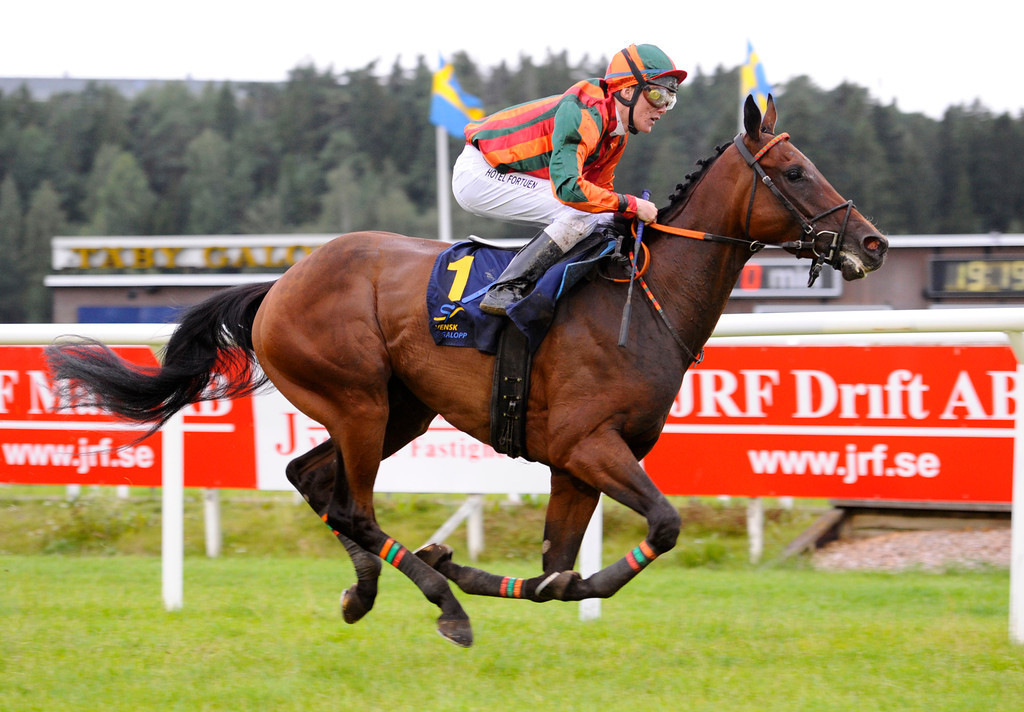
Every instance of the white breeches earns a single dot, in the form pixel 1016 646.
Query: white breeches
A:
pixel 519 198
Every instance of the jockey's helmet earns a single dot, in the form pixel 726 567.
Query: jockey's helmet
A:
pixel 642 64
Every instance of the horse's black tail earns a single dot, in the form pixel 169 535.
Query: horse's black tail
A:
pixel 209 356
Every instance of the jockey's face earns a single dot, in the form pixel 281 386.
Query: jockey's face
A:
pixel 644 114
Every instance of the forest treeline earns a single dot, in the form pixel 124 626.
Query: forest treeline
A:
pixel 331 152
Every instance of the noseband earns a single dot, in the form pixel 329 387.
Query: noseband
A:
pixel 831 254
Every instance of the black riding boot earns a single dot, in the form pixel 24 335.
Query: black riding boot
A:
pixel 526 267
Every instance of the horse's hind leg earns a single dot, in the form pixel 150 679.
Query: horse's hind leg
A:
pixel 354 516
pixel 359 430
pixel 314 475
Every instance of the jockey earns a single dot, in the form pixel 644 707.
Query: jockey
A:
pixel 552 161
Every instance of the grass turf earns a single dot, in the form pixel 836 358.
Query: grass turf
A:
pixel 87 633
pixel 83 627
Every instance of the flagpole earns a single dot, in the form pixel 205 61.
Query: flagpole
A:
pixel 743 99
pixel 444 206
pixel 450 110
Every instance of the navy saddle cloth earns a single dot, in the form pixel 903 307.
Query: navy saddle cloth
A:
pixel 463 273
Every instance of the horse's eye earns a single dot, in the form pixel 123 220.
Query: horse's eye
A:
pixel 793 174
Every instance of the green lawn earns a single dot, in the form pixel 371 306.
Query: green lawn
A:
pixel 90 633
pixel 82 624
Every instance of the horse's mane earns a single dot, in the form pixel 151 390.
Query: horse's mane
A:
pixel 683 189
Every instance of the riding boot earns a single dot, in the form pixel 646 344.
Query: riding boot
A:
pixel 526 267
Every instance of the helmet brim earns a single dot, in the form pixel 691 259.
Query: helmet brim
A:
pixel 679 74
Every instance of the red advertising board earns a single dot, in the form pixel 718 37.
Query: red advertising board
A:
pixel 924 423
pixel 43 443
pixel 220 444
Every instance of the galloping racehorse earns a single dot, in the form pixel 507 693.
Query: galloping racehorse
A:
pixel 343 336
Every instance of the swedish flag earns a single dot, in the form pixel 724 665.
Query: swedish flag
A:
pixel 753 80
pixel 451 107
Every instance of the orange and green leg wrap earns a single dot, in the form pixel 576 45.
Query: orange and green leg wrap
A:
pixel 482 583
pixel 640 556
pixel 511 587
pixel 392 552
pixel 613 577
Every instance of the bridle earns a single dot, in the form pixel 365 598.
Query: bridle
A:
pixel 830 254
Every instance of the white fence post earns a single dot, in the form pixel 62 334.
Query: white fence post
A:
pixel 755 529
pixel 211 520
pixel 475 528
pixel 173 512
pixel 590 559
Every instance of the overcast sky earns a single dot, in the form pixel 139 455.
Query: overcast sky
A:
pixel 924 57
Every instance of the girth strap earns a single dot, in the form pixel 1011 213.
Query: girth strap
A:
pixel 510 392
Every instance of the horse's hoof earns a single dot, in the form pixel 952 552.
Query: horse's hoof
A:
pixel 557 585
pixel 352 606
pixel 457 630
pixel 433 555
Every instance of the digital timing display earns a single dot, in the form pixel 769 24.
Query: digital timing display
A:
pixel 977 276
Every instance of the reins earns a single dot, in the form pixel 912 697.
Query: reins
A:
pixel 637 274
pixel 753 245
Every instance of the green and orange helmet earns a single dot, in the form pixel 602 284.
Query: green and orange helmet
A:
pixel 648 68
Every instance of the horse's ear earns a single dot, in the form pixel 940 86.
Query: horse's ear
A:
pixel 752 119
pixel 754 123
pixel 770 116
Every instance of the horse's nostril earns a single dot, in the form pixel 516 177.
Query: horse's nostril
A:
pixel 876 243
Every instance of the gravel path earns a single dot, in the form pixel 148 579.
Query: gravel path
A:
pixel 922 550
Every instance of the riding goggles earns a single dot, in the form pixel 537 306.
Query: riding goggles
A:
pixel 661 96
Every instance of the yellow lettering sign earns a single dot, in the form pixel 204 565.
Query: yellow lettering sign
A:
pixel 143 258
pixel 215 257
pixel 84 255
pixel 111 259
pixel 170 255
pixel 176 258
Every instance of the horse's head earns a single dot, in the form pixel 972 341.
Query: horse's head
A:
pixel 799 210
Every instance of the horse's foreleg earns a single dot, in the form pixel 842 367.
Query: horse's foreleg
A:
pixel 610 468
pixel 478 582
pixel 607 464
pixel 570 507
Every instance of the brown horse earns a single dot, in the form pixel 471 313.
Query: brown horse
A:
pixel 343 336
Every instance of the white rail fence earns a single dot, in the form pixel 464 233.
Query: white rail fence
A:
pixel 939 325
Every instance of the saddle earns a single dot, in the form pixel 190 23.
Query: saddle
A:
pixel 462 274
